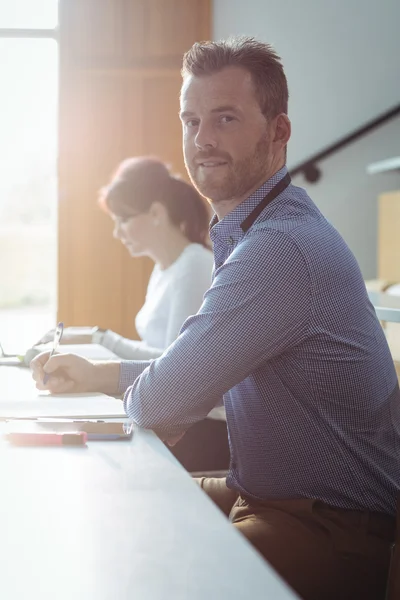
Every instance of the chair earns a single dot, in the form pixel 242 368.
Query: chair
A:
pixel 222 473
pixel 393 585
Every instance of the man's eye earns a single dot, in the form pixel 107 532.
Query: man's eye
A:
pixel 226 119
pixel 192 123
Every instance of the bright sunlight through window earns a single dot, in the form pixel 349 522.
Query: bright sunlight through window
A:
pixel 28 183
pixel 28 14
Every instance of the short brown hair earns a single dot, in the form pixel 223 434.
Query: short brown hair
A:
pixel 206 58
pixel 141 180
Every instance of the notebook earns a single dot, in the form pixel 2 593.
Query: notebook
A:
pixel 88 406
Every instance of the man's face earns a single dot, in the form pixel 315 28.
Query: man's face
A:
pixel 227 141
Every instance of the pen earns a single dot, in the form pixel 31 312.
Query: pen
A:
pixel 20 438
pixel 56 340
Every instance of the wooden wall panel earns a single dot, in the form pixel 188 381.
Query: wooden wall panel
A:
pixel 83 229
pixel 119 90
pixel 91 31
pixel 163 132
pixel 161 30
pixel 166 36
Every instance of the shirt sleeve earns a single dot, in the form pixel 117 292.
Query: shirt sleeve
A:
pixel 257 308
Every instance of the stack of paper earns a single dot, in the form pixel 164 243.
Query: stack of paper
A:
pixel 62 405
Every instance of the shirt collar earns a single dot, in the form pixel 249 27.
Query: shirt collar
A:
pixel 228 230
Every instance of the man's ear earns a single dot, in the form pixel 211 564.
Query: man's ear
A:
pixel 283 129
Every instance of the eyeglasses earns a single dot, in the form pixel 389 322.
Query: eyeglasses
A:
pixel 122 220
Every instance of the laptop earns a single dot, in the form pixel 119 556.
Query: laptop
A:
pixel 10 360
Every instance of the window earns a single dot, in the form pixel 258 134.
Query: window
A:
pixel 28 183
pixel 28 14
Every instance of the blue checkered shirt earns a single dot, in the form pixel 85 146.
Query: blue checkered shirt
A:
pixel 287 336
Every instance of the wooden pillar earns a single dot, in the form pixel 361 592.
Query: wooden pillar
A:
pixel 119 85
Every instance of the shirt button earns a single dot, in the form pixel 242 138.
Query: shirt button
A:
pixel 231 240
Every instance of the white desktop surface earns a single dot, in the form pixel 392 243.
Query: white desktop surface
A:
pixel 117 521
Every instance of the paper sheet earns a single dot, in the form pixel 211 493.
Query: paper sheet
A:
pixel 62 405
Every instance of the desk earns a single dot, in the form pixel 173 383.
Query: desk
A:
pixel 117 520
pixel 15 382
pixel 387 307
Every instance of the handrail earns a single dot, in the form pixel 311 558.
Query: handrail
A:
pixel 309 167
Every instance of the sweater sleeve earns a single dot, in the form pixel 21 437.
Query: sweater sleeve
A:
pixel 187 293
pixel 129 349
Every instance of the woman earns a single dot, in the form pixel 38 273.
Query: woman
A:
pixel 158 215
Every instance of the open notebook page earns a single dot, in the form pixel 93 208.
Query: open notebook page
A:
pixel 60 405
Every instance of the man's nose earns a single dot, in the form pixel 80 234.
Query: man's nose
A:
pixel 206 137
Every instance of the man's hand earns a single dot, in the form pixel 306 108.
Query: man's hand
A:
pixel 69 373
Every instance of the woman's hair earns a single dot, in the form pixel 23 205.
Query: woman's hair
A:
pixel 142 180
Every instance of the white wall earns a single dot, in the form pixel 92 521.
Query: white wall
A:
pixel 343 67
pixel 348 197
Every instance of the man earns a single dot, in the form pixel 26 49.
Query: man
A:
pixel 286 335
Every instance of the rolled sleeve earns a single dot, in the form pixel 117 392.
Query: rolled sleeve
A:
pixel 129 371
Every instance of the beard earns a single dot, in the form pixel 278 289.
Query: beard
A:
pixel 235 178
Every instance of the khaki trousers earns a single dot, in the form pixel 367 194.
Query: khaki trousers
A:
pixel 323 553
